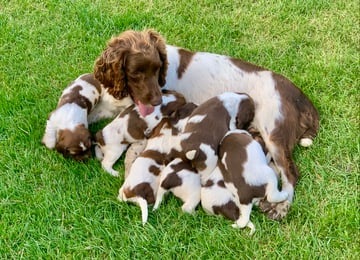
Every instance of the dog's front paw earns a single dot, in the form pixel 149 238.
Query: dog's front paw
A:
pixel 275 211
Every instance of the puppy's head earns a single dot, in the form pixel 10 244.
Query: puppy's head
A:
pixel 75 144
pixel 134 63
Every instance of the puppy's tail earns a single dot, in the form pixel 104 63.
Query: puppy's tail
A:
pixel 144 208
pixel 137 200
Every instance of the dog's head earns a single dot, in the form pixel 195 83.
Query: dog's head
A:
pixel 134 63
pixel 75 144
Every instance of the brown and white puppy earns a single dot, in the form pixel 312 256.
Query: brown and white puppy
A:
pixel 216 199
pixel 131 127
pixel 284 116
pixel 142 183
pixel 208 124
pixel 83 102
pixel 67 126
pixel 180 178
pixel 247 174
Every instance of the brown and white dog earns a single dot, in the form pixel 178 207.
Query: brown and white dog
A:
pixel 246 174
pixel 142 183
pixel 139 63
pixel 84 101
pixel 208 124
pixel 131 127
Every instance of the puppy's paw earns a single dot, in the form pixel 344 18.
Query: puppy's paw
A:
pixel 188 209
pixel 114 173
pixel 305 142
pixel 275 211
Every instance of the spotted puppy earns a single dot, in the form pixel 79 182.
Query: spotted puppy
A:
pixel 67 126
pixel 216 199
pixel 142 183
pixel 131 127
pixel 247 174
pixel 208 124
pixel 182 180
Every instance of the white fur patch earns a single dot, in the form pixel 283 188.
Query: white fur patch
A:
pixel 196 119
pixel 82 145
pixel 306 142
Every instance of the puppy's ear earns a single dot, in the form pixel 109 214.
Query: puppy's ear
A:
pixel 159 43
pixel 109 68
pixel 246 113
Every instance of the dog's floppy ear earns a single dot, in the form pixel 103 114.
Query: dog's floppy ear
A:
pixel 246 113
pixel 159 43
pixel 109 68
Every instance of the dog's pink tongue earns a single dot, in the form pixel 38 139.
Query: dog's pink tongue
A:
pixel 145 109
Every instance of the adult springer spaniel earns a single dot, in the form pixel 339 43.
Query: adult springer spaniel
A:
pixel 138 64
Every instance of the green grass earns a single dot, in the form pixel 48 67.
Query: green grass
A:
pixel 51 207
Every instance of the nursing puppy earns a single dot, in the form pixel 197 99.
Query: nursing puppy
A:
pixel 208 124
pixel 247 174
pixel 180 178
pixel 142 183
pixel 216 199
pixel 67 126
pixel 131 127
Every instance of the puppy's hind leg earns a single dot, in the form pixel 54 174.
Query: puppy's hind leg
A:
pixel 111 155
pixel 191 202
pixel 244 219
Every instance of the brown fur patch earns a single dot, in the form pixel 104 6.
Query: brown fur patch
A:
pixel 75 97
pixel 208 183
pixel 99 138
pixel 246 66
pixel 221 184
pixel 171 181
pixel 142 190
pixel 185 60
pixel 154 155
pixel 228 210
pixel 91 80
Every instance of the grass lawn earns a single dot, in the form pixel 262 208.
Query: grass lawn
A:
pixel 51 207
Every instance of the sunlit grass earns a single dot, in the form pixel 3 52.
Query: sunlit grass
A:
pixel 51 207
